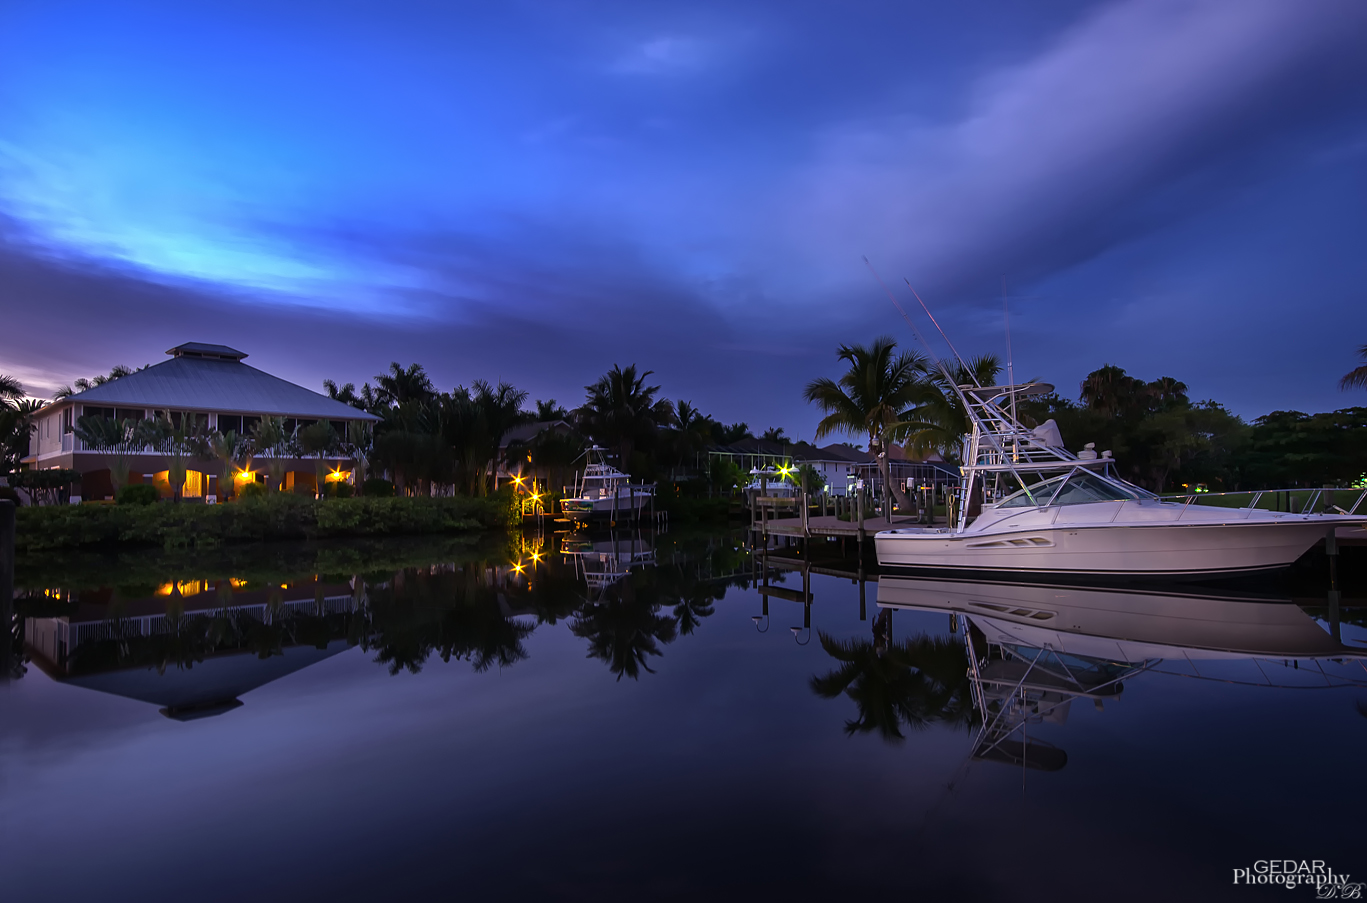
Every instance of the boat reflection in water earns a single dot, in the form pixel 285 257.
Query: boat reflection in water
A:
pixel 1031 650
pixel 602 561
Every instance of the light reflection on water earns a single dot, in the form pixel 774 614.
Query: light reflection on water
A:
pixel 668 716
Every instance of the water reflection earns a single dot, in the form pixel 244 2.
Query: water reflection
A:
pixel 192 648
pixel 1028 651
pixel 194 645
pixel 894 685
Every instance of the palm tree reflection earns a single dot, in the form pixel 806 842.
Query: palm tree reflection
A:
pixel 898 685
pixel 624 630
pixel 454 614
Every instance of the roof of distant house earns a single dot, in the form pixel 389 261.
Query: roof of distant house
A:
pixel 215 380
pixel 525 432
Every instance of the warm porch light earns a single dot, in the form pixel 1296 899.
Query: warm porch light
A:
pixel 244 476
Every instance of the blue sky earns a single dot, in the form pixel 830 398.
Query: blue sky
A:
pixel 534 192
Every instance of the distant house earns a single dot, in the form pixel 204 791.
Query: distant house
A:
pixel 206 386
pixel 840 465
pixel 515 458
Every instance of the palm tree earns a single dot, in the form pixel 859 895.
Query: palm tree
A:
pixel 16 422
pixel 229 448
pixel 1108 390
pixel 549 410
pixel 940 423
pixel 873 398
pixel 320 441
pixel 117 438
pixel 1167 393
pixel 118 372
pixel 11 390
pixel 621 410
pixel 270 439
pixel 400 385
pixel 1356 378
pixel 692 432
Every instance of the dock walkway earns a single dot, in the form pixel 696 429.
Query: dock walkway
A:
pixel 832 526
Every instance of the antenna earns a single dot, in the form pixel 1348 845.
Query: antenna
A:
pixel 955 351
pixel 1010 371
pixel 914 331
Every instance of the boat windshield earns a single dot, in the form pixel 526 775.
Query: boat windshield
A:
pixel 1079 488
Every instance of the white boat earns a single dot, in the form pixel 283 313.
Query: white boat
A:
pixel 604 491
pixel 770 482
pixel 1026 505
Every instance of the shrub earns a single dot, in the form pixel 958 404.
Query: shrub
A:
pixel 270 516
pixel 377 488
pixel 252 491
pixel 138 494
pixel 337 491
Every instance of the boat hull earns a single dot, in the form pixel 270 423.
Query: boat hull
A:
pixel 591 509
pixel 1159 550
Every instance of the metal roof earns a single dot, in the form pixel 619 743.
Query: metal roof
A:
pixel 207 350
pixel 189 383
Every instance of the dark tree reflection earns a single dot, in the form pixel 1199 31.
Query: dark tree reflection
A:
pixel 898 685
pixel 452 613
pixel 624 630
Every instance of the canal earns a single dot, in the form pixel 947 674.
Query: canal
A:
pixel 672 716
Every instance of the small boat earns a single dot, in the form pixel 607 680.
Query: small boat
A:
pixel 604 491
pixel 771 482
pixel 1026 505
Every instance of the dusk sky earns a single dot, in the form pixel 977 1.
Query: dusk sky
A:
pixel 533 192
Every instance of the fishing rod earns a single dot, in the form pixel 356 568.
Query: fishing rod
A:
pixel 914 331
pixel 962 365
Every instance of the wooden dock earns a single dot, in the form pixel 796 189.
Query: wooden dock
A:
pixel 830 526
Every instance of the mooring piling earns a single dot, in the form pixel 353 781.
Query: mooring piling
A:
pixel 6 588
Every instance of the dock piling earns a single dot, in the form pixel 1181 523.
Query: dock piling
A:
pixel 6 588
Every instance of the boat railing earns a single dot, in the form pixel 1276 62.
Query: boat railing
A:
pixel 1320 500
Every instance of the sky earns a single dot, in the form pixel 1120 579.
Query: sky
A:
pixel 534 192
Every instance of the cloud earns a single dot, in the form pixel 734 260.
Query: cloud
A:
pixel 1062 155
pixel 665 54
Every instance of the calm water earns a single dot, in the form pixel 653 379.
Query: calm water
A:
pixel 628 718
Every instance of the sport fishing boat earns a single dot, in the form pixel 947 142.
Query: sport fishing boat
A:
pixel 771 482
pixel 604 491
pixel 1027 505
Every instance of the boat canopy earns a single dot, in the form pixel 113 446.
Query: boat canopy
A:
pixel 1076 488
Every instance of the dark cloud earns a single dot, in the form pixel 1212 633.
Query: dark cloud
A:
pixel 692 190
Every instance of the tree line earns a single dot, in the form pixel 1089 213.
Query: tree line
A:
pixel 429 440
pixel 1161 439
